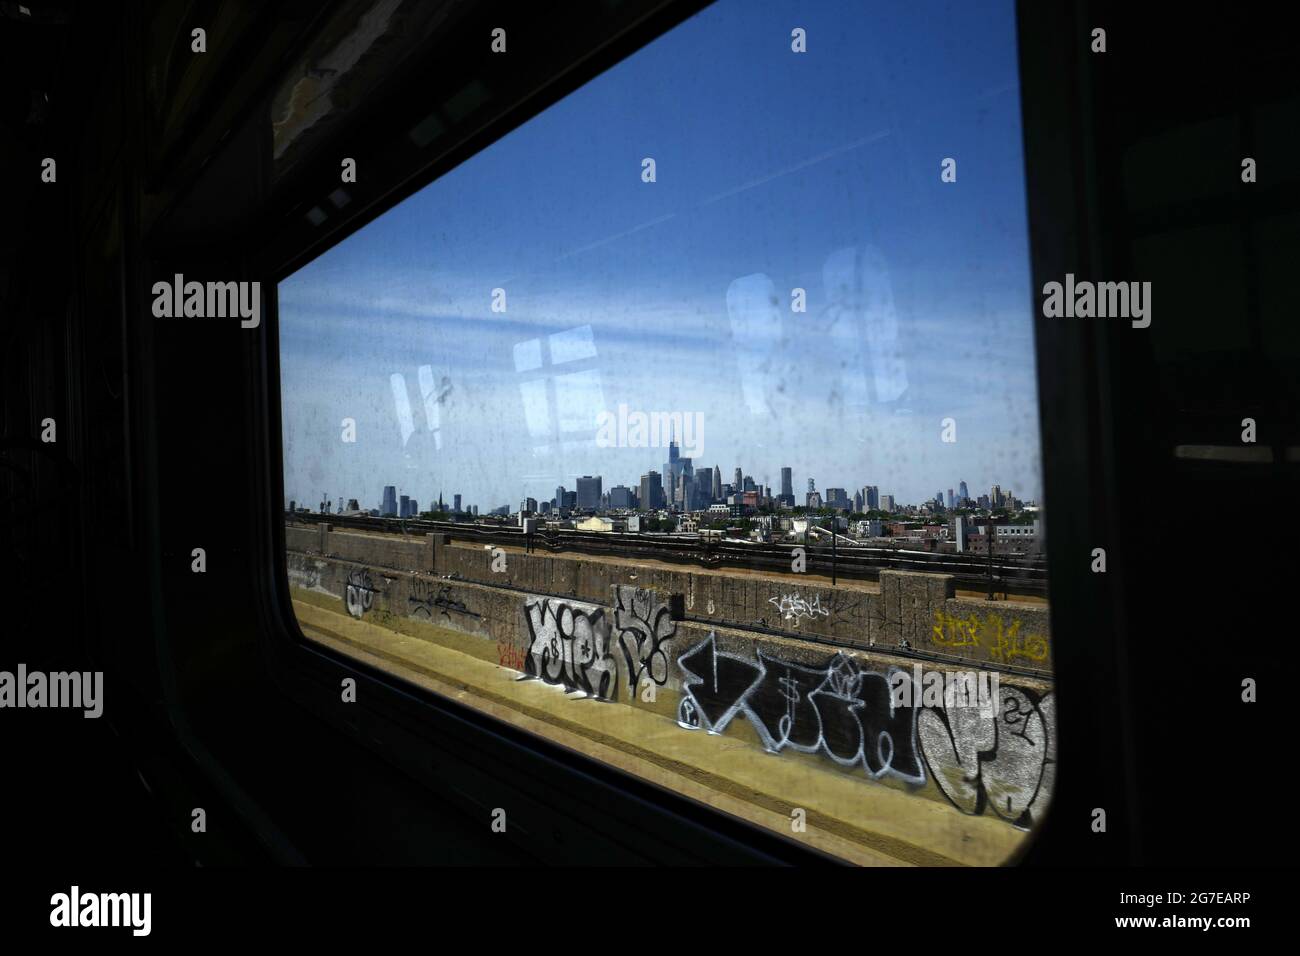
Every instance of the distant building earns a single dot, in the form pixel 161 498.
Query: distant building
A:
pixel 455 503
pixel 404 506
pixel 652 492
pixel 588 494
pixel 388 507
pixel 870 498
pixel 961 531
pixel 704 482
pixel 887 504
pixel 597 523
pixel 621 496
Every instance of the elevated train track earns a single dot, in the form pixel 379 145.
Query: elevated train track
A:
pixel 1017 575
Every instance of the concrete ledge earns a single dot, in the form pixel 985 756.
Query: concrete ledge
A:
pixel 857 820
pixel 797 697
pixel 907 610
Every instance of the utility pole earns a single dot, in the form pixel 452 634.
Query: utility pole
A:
pixel 834 554
pixel 990 538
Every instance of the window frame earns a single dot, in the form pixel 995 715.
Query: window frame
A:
pixel 429 737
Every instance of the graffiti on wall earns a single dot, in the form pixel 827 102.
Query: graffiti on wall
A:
pixel 644 624
pixel 838 709
pixel 511 655
pixel 577 646
pixel 571 644
pixel 794 607
pixel 1001 758
pixel 1006 761
pixel 1004 643
pixel 360 592
pixel 303 572
pixel 426 601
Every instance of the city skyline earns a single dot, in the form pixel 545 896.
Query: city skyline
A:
pixel 677 296
pixel 458 500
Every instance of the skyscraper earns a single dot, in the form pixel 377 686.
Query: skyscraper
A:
pixel 672 469
pixel 951 503
pixel 455 503
pixel 962 492
pixel 739 482
pixel 589 492
pixel 704 482
pixel 388 506
pixel 652 492
pixel 404 508
pixel 787 482
pixel 870 498
pixel 717 483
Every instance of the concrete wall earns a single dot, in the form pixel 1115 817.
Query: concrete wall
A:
pixel 908 610
pixel 642 643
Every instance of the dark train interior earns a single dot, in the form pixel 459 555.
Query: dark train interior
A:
pixel 169 437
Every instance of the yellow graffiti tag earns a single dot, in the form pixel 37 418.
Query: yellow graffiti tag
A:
pixel 954 632
pixel 1003 643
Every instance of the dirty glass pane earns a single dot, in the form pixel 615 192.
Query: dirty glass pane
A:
pixel 676 426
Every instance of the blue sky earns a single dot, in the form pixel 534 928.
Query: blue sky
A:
pixel 774 171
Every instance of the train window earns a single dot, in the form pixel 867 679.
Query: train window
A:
pixel 692 425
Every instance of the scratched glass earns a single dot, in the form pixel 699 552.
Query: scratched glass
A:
pixel 744 450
